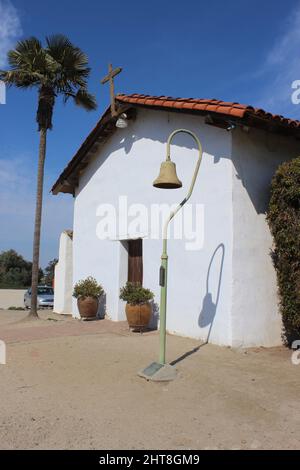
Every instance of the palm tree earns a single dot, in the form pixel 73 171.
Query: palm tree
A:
pixel 59 68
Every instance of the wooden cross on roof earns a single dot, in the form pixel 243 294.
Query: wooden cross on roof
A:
pixel 110 78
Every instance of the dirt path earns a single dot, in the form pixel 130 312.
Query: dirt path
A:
pixel 74 385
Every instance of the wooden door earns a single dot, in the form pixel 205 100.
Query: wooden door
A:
pixel 135 261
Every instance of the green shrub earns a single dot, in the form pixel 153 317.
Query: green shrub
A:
pixel 284 222
pixel 88 287
pixel 135 294
pixel 15 271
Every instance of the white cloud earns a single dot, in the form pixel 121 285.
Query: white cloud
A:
pixel 286 46
pixel 10 28
pixel 281 68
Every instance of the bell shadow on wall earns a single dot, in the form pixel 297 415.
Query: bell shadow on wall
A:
pixel 209 305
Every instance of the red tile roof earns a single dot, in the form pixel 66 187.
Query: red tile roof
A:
pixel 230 109
pixel 219 110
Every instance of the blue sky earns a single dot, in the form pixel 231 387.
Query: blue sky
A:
pixel 235 50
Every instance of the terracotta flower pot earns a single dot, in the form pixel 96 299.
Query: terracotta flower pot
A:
pixel 138 316
pixel 88 307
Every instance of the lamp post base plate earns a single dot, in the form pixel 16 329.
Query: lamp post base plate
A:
pixel 158 372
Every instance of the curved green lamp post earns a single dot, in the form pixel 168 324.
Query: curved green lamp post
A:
pixel 168 179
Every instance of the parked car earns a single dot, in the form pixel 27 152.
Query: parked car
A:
pixel 45 297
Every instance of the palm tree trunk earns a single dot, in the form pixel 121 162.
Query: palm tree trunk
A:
pixel 37 223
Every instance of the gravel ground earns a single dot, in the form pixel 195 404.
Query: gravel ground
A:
pixel 69 384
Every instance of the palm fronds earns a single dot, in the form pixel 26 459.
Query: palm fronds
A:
pixel 59 68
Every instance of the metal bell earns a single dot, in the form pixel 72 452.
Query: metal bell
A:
pixel 167 178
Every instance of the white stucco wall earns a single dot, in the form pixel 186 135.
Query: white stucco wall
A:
pixel 255 316
pixel 127 165
pixel 224 292
pixel 63 276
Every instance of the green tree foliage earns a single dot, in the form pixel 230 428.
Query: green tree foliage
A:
pixel 49 272
pixel 15 271
pixel 284 221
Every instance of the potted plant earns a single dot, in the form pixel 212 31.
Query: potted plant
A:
pixel 88 292
pixel 138 308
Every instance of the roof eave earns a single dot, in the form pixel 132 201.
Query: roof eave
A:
pixel 67 181
pixel 241 114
